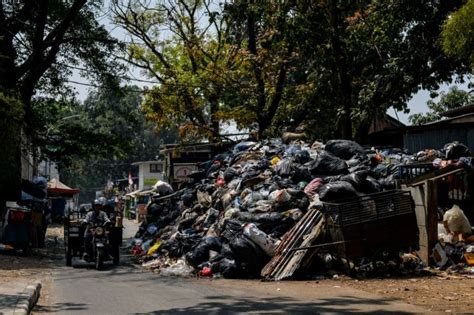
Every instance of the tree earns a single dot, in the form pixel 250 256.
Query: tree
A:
pixel 39 40
pixel 454 98
pixel 370 55
pixel 457 36
pixel 273 67
pixel 117 135
pixel 182 45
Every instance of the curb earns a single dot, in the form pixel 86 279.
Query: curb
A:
pixel 27 299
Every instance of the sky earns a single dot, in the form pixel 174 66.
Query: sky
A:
pixel 417 103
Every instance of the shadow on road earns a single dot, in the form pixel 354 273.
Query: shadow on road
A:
pixel 222 304
pixel 7 300
pixel 58 307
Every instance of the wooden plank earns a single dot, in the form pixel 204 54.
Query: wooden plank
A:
pixel 298 256
pixel 432 213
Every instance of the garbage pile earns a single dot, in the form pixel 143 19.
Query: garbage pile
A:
pixel 231 217
pixel 455 249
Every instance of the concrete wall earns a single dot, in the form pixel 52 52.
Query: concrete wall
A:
pixel 147 179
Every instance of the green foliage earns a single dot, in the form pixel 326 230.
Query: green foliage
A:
pixel 11 111
pixel 457 36
pixel 454 98
pixel 181 44
pixel 371 55
pixel 40 40
pixel 109 134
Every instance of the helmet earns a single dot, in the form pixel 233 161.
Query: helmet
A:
pixel 96 202
pixel 102 201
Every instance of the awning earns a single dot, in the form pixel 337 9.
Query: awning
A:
pixel 56 188
pixel 27 197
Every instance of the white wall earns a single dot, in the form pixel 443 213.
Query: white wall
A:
pixel 147 179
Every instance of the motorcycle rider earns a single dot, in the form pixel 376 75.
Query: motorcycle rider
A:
pixel 96 217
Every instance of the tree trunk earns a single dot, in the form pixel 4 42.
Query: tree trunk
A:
pixel 214 119
pixel 10 127
pixel 344 88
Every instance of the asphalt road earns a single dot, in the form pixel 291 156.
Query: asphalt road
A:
pixel 126 289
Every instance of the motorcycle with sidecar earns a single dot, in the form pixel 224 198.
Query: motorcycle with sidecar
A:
pixel 106 240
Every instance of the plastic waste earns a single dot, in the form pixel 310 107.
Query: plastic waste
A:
pixel 280 195
pixel 265 242
pixel 275 160
pixel 337 190
pixel 179 269
pixel 439 255
pixel 456 150
pixel 312 188
pixel 328 164
pixel 456 221
pixel 154 248
pixel 344 149
pixel 163 188
pixel 205 272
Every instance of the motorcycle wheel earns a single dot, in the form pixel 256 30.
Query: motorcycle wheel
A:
pixel 99 261
pixel 68 257
pixel 116 256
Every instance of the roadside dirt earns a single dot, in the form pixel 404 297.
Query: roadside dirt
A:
pixel 39 265
pixel 441 293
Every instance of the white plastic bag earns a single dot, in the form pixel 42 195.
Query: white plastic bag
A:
pixel 265 242
pixel 180 269
pixel 456 221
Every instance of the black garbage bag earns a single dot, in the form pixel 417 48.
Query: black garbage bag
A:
pixel 230 229
pixel 285 167
pixel 380 171
pixel 229 174
pixel 212 216
pixel 337 190
pixel 263 219
pixel 301 174
pixel 345 149
pixel 197 175
pixel 456 150
pixel 248 255
pixel 283 182
pixel 226 251
pixel 280 229
pixel 388 183
pixel 188 199
pixel 200 253
pixel 327 164
pixel 302 156
pixel 155 209
pixel 371 185
pixel 180 245
pixel 227 268
pixel 355 179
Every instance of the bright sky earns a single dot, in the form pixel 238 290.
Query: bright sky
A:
pixel 416 105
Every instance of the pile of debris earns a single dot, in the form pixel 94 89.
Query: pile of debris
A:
pixel 455 249
pixel 257 210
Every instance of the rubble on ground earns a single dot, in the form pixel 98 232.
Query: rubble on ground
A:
pixel 240 208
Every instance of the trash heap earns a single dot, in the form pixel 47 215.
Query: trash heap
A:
pixel 230 218
pixel 455 249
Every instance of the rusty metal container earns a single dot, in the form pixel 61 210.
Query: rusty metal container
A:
pixel 373 223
